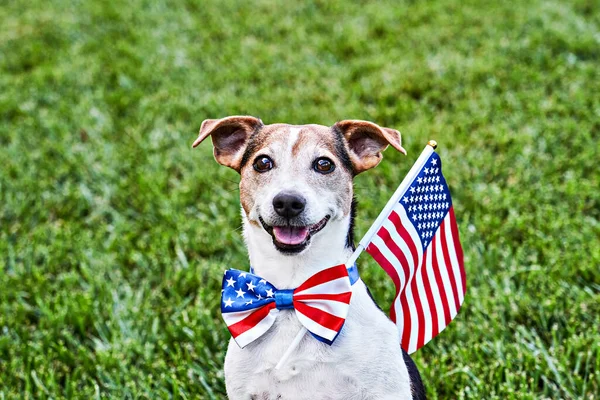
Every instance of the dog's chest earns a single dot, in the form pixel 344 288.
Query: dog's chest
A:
pixel 312 365
pixel 354 367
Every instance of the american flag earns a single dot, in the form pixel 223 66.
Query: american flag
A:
pixel 419 248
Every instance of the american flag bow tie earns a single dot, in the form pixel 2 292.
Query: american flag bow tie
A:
pixel 250 304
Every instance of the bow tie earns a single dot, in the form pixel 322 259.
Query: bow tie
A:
pixel 249 304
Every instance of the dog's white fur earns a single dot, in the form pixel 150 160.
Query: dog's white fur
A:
pixel 365 361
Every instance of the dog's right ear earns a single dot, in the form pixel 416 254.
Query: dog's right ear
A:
pixel 229 136
pixel 366 141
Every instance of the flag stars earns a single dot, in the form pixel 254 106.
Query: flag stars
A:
pixel 269 292
pixel 262 281
pixel 251 286
pixel 230 282
pixel 427 200
pixel 228 303
pixel 242 275
pixel 240 293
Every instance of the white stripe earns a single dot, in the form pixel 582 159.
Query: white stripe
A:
pixel 258 330
pixel 231 318
pixel 405 283
pixel 316 328
pixel 400 311
pixel 392 259
pixel 453 259
pixel 395 236
pixel 445 279
pixel 414 317
pixel 412 232
pixel 437 298
pixel 336 286
pixel 428 328
pixel 399 314
pixel 332 307
pixel 414 322
pixel 385 252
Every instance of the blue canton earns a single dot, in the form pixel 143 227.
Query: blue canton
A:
pixel 427 199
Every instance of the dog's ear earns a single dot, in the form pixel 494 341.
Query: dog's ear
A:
pixel 229 136
pixel 366 141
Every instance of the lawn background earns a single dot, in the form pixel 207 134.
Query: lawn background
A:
pixel 114 233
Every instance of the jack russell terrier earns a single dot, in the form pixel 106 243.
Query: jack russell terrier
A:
pixel 296 193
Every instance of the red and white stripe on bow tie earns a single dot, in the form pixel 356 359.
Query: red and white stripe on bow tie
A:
pixel 321 304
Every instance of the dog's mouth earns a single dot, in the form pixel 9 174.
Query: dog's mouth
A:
pixel 292 238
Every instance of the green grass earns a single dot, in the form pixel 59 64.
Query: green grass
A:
pixel 114 233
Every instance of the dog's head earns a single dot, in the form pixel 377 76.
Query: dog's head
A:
pixel 296 181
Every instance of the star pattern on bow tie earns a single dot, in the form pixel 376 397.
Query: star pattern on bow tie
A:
pixel 242 285
pixel 250 304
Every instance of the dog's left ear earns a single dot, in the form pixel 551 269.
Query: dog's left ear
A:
pixel 366 141
pixel 229 136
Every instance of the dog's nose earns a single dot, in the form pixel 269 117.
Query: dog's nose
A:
pixel 289 205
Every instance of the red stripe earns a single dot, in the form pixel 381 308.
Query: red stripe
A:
pixel 412 246
pixel 442 233
pixel 326 275
pixel 251 320
pixel 384 234
pixel 438 279
pixel 399 254
pixel 321 317
pixel 341 297
pixel 397 221
pixel 429 294
pixel 419 306
pixel 407 321
pixel 458 249
pixel 389 269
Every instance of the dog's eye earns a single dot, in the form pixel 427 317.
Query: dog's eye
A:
pixel 263 164
pixel 323 165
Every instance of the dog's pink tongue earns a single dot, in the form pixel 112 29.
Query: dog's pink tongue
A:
pixel 290 234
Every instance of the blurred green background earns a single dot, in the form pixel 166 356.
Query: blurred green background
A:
pixel 114 233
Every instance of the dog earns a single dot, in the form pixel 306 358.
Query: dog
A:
pixel 298 207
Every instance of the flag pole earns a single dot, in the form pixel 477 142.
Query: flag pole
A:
pixel 364 242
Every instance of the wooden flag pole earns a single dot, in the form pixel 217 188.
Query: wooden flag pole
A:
pixel 364 242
